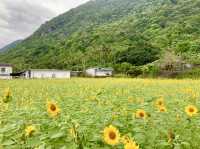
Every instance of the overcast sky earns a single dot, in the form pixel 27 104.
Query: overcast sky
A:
pixel 20 18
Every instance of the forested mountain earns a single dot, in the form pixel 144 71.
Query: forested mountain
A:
pixel 11 45
pixel 111 33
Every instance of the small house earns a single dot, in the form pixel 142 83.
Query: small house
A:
pixel 46 73
pixel 5 71
pixel 99 72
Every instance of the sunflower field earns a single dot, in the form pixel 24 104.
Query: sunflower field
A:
pixel 108 113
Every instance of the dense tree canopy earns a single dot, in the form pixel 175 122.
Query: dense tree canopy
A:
pixel 109 32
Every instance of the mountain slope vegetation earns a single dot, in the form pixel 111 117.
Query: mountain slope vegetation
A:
pixel 112 32
pixel 11 45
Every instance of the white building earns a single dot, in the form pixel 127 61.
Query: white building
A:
pixel 5 71
pixel 46 73
pixel 99 72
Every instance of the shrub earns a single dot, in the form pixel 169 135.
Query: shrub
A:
pixel 150 70
pixel 134 71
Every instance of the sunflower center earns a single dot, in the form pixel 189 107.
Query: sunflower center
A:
pixel 191 110
pixel 112 135
pixel 53 107
pixel 162 110
pixel 141 114
pixel 31 132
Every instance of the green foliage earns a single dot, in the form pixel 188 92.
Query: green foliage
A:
pixel 183 47
pixel 87 106
pixel 134 71
pixel 188 46
pixel 122 67
pixel 140 54
pixel 10 46
pixel 193 74
pixel 192 57
pixel 107 32
pixel 150 70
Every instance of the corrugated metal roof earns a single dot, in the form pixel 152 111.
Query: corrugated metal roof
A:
pixel 99 68
pixel 5 65
pixel 49 70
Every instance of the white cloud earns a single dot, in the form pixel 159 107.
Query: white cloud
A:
pixel 20 18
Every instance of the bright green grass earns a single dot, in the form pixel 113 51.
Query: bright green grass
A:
pixel 93 104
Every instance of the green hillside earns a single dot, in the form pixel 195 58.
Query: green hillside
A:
pixel 112 33
pixel 10 46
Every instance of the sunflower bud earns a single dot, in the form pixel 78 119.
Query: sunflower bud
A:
pixel 7 96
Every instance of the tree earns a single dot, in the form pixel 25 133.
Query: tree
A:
pixel 139 55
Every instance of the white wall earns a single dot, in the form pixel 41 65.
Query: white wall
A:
pixel 103 73
pixel 48 74
pixel 90 72
pixel 6 74
pixel 98 73
pixel 8 70
pixel 5 77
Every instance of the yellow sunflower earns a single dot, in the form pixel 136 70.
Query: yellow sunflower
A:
pixel 52 109
pixel 131 145
pixel 191 110
pixel 30 130
pixel 7 95
pixel 111 135
pixel 141 114
pixel 162 109
pixel 125 139
pixel 160 102
pixel 130 99
pixel 7 92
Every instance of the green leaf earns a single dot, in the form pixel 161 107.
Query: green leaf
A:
pixel 8 142
pixel 57 135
